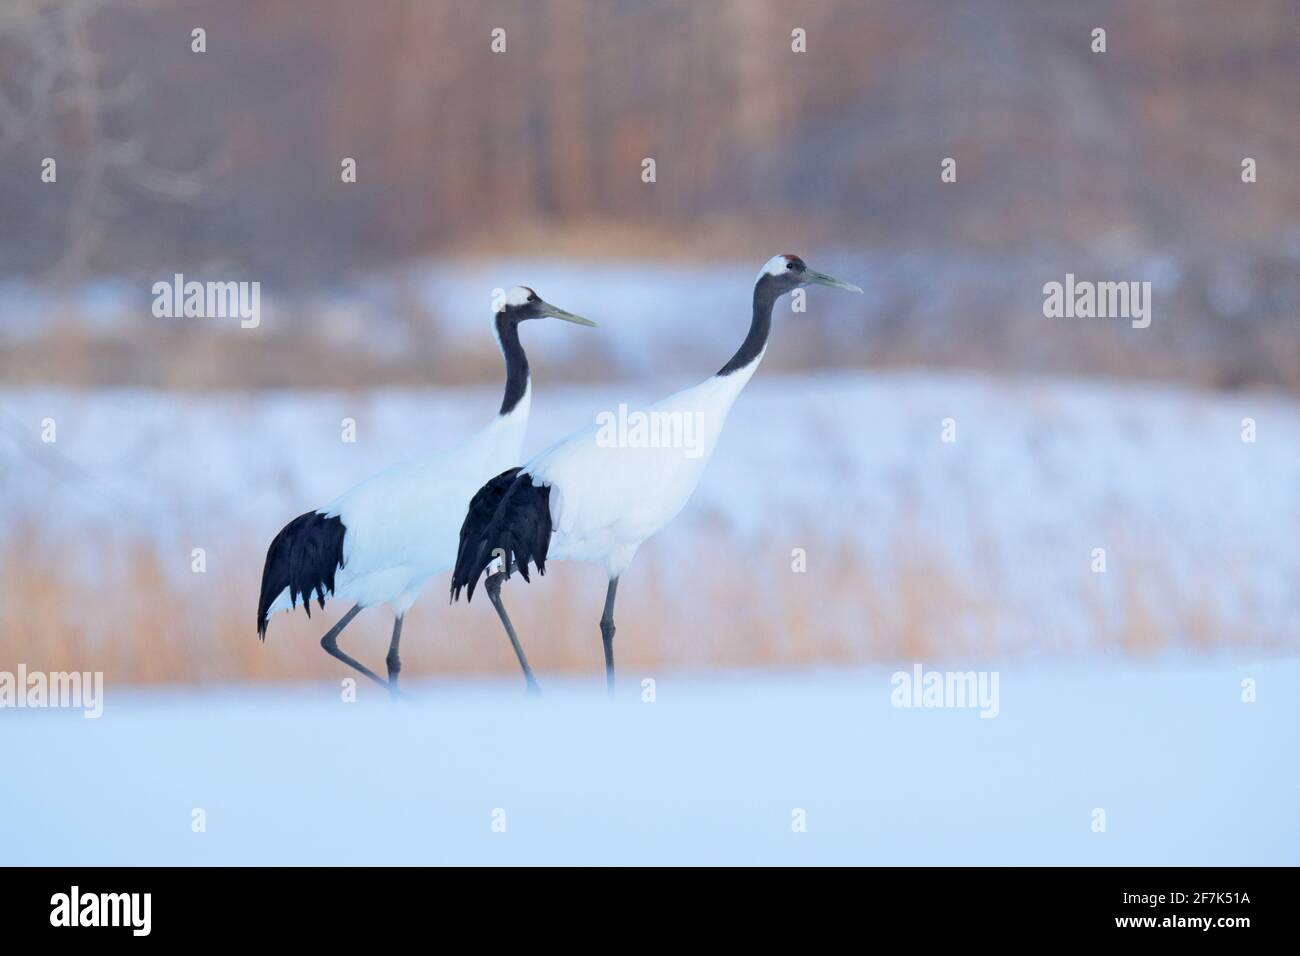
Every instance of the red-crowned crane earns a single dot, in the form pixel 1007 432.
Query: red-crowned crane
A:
pixel 587 498
pixel 381 541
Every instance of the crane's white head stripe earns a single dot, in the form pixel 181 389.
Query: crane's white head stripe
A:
pixel 515 297
pixel 775 266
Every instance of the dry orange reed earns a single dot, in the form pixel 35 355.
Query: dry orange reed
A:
pixel 140 624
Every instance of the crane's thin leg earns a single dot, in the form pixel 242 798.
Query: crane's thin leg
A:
pixel 331 644
pixel 493 586
pixel 394 661
pixel 607 634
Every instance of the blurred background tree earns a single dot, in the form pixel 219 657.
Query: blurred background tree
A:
pixel 1127 160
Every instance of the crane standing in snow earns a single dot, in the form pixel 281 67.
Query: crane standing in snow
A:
pixel 381 541
pixel 587 499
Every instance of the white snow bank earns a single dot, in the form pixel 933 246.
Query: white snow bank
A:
pixel 714 771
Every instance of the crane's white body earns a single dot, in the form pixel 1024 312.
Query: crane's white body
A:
pixel 599 493
pixel 403 524
pixel 605 500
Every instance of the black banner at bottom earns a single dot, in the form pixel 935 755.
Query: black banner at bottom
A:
pixel 333 905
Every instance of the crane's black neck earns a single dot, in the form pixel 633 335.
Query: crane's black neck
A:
pixel 766 293
pixel 516 363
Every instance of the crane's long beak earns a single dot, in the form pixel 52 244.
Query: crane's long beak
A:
pixel 822 278
pixel 558 313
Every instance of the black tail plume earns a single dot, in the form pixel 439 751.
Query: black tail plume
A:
pixel 509 517
pixel 304 558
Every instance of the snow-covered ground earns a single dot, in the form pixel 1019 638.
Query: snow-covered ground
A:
pixel 915 547
pixel 715 770
pixel 1119 692
pixel 661 317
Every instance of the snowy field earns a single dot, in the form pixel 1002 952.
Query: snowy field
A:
pixel 982 548
pixel 715 770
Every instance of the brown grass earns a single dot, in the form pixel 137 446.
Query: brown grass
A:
pixel 141 624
